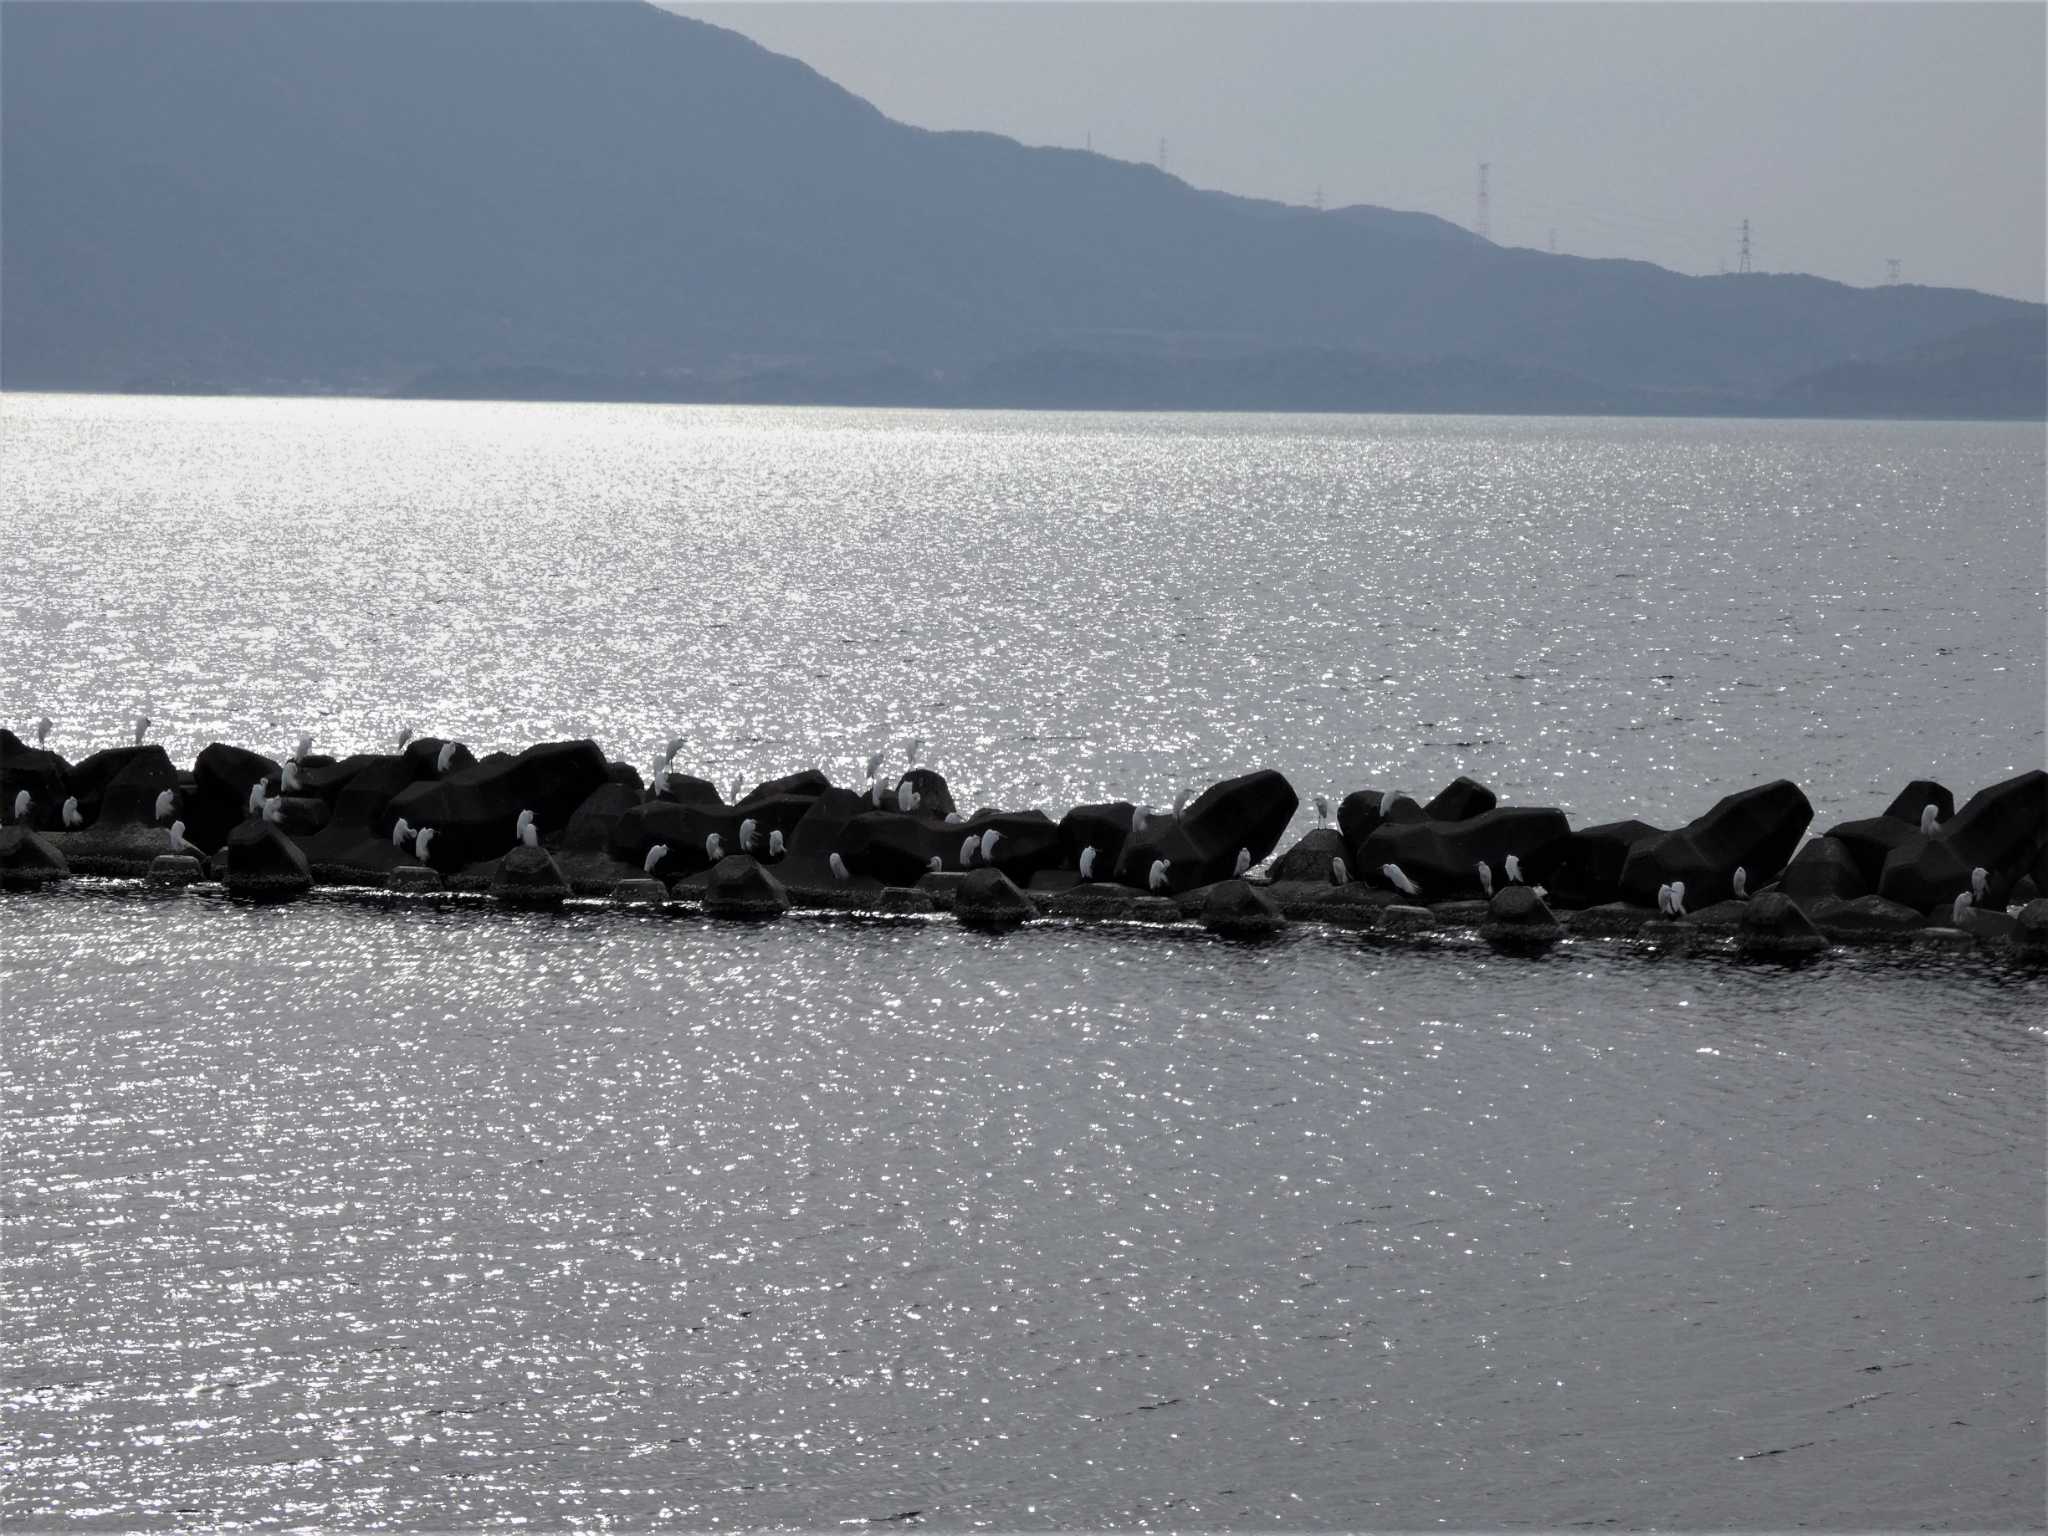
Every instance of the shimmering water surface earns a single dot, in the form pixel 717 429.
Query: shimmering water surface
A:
pixel 384 1217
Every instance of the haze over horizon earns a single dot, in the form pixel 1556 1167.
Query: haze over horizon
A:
pixel 1848 135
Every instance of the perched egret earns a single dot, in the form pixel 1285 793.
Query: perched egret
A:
pixel 1980 878
pixel 660 778
pixel 714 850
pixel 1513 866
pixel 1397 877
pixel 273 810
pixel 954 818
pixel 1087 864
pixel 935 864
pixel 1340 872
pixel 141 728
pixel 875 793
pixel 1139 816
pixel 1741 883
pixel 43 730
pixel 519 827
pixel 1678 898
pixel 654 856
pixel 737 791
pixel 989 839
pixel 1180 803
pixel 22 801
pixel 289 781
pixel 838 868
pixel 913 751
pixel 1962 906
pixel 177 834
pixel 166 803
pixel 404 736
pixel 421 839
pixel 1664 900
pixel 775 844
pixel 675 745
pixel 305 745
pixel 1929 816
pixel 70 816
pixel 907 799
pixel 1387 799
pixel 747 829
pixel 1244 862
pixel 969 847
pixel 444 757
pixel 1486 877
pixel 401 832
pixel 875 760
pixel 256 796
pixel 1322 810
pixel 530 835
pixel 1157 878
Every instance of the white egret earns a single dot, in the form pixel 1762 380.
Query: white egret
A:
pixel 1957 912
pixel 1486 877
pixel 1741 883
pixel 907 799
pixel 1322 810
pixel 420 840
pixel 1664 900
pixel 1513 866
pixel 1244 862
pixel 519 827
pixel 775 844
pixel 1087 864
pixel 1397 877
pixel 70 815
pixel 1678 898
pixel 43 730
pixel 257 793
pixel 714 850
pixel 675 745
pixel 22 801
pixel 954 818
pixel 838 868
pixel 1180 803
pixel 177 834
pixel 1387 799
pixel 935 864
pixel 736 792
pixel 141 728
pixel 1929 816
pixel 401 832
pixel 273 810
pixel 1139 816
pixel 747 829
pixel 660 778
pixel 969 847
pixel 1980 879
pixel 530 835
pixel 1340 872
pixel 404 736
pixel 305 745
pixel 654 856
pixel 166 803
pixel 444 757
pixel 1157 878
pixel 289 780
pixel 989 839
pixel 875 760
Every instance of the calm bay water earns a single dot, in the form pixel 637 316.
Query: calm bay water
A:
pixel 337 1214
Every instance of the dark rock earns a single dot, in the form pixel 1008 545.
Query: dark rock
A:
pixel 414 880
pixel 1401 918
pixel 1027 842
pixel 1443 857
pixel 739 887
pixel 2024 890
pixel 1096 901
pixel 1611 919
pixel 1587 870
pixel 898 849
pixel 1340 906
pixel 1863 920
pixel 264 864
pixel 1310 859
pixel 1981 923
pixel 582 852
pixel 688 789
pixel 174 871
pixel 2000 829
pixel 1103 827
pixel 528 877
pixel 326 778
pixel 626 776
pixel 1946 940
pixel 1868 843
pixel 681 828
pixel 355 846
pixel 1773 927
pixel 1718 916
pixel 1517 919
pixel 1463 913
pixel 222 777
pixel 934 797
pixel 28 860
pixel 940 888
pixel 1755 830
pixel 424 757
pixel 1361 813
pixel 42 773
pixel 473 810
pixel 816 836
pixel 1245 813
pixel 899 902
pixel 1460 800
pixel 639 891
pixel 2029 939
pixel 1823 870
pixel 1050 882
pixel 1156 909
pixel 808 784
pixel 1912 801
pixel 1239 910
pixel 300 815
pixel 988 898
pixel 121 785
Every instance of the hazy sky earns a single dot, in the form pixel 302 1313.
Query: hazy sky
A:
pixel 1846 133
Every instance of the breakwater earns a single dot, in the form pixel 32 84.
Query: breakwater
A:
pixel 560 820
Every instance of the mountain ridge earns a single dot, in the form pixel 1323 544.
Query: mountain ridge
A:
pixel 333 196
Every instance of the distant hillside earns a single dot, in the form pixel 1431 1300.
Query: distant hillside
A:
pixel 2000 369
pixel 321 196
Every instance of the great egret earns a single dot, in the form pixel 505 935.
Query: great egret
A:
pixel 660 779
pixel 70 815
pixel 1741 883
pixel 935 864
pixel 907 799
pixel 838 868
pixel 401 831
pixel 166 803
pixel 420 840
pixel 1962 906
pixel 775 844
pixel 1157 878
pixel 1929 816
pixel 1087 864
pixel 305 745
pixel 1387 799
pixel 273 811
pixel 1513 866
pixel 1180 803
pixel 444 757
pixel 1486 877
pixel 289 780
pixel 1664 900
pixel 141 728
pixel 654 856
pixel 519 827
pixel 1244 862
pixel 43 730
pixel 1340 872
pixel 1397 877
pixel 714 850
pixel 1980 878
pixel 747 835
pixel 404 736
pixel 256 796
pixel 989 840
pixel 177 834
pixel 675 745
pixel 22 801
pixel 969 847
pixel 737 792
pixel 530 835
pixel 1322 810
